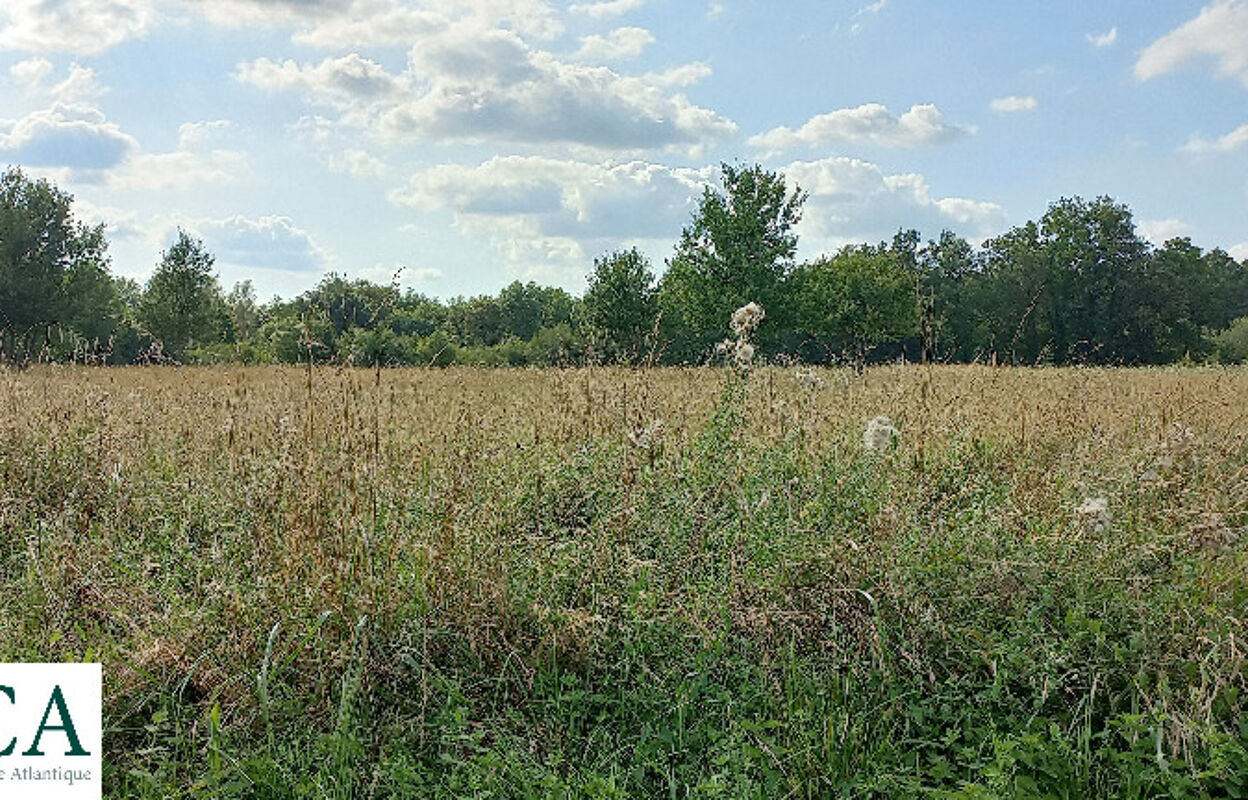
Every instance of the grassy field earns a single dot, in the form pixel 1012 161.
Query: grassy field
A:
pixel 663 583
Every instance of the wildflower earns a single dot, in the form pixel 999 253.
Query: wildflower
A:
pixel 745 320
pixel 879 435
pixel 1093 514
pixel 808 379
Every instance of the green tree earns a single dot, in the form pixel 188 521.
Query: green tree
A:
pixel 244 312
pixel 46 256
pixel 739 248
pixel 1068 288
pixel 621 305
pixel 856 301
pixel 182 305
pixel 949 276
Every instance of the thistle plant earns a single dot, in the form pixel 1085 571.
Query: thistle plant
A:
pixel 738 348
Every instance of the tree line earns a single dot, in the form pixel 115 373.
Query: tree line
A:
pixel 1078 286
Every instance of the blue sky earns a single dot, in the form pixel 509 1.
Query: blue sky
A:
pixel 475 143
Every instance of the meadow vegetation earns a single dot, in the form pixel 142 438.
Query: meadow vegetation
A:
pixel 330 582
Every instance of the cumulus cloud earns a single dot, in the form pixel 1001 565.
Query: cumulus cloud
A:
pixel 1160 231
pixel 618 45
pixel 1013 104
pixel 82 85
pixel 471 85
pixel 341 82
pixel 866 124
pixel 1198 145
pixel 66 135
pixel 269 242
pixel 855 201
pixel 1239 252
pixel 1106 39
pixel 552 214
pixel 72 26
pixel 1220 32
pixel 610 8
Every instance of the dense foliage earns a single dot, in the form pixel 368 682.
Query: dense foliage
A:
pixel 1078 286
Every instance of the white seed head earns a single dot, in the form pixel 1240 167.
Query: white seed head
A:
pixel 1093 514
pixel 808 379
pixel 879 435
pixel 746 319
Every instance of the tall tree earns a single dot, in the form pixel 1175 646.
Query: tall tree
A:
pixel 44 252
pixel 859 299
pixel 244 311
pixel 738 249
pixel 621 304
pixel 182 305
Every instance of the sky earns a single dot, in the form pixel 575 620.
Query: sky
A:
pixel 454 147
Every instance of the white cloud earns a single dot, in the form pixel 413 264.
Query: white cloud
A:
pixel 269 242
pixel 66 135
pixel 855 201
pixel 340 82
pixel 31 73
pixel 118 223
pixel 610 8
pixel 72 26
pixel 867 124
pixel 371 24
pixel 362 23
pixel 81 85
pixel 1013 104
pixel 193 134
pixel 470 85
pixel 263 13
pixel 867 10
pixel 1106 39
pixel 1219 31
pixel 357 164
pixel 1239 252
pixel 180 169
pixel 683 75
pixel 1159 231
pixel 1198 145
pixel 618 45
pixel 548 216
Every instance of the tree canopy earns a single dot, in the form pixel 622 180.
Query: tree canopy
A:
pixel 1079 285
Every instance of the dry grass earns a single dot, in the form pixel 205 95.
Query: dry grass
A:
pixel 165 521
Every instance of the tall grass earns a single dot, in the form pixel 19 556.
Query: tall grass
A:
pixel 348 583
